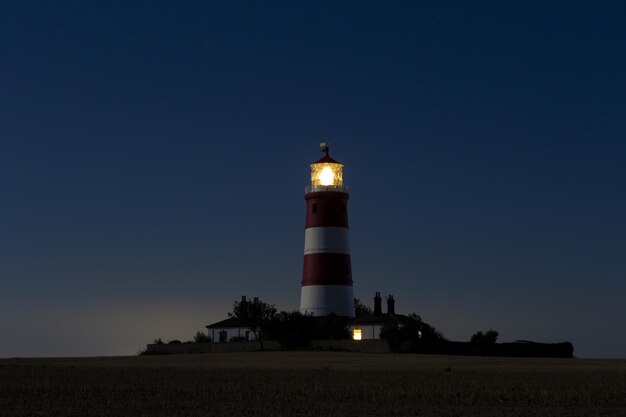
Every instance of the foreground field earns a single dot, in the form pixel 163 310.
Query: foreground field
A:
pixel 311 384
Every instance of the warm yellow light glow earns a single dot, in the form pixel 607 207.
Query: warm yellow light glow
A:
pixel 356 334
pixel 327 176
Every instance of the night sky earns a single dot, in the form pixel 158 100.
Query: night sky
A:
pixel 154 154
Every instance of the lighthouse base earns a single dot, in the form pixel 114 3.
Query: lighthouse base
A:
pixel 322 300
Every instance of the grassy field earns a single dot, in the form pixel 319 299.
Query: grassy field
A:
pixel 311 384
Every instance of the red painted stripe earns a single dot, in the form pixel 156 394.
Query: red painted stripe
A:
pixel 327 269
pixel 326 208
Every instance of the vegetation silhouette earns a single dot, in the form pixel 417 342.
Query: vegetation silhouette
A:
pixel 360 309
pixel 293 330
pixel 487 338
pixel 412 330
pixel 201 337
pixel 256 313
pixel 403 333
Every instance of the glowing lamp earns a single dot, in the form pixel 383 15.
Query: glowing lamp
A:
pixel 356 334
pixel 326 172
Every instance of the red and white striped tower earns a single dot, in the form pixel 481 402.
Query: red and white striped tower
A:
pixel 327 273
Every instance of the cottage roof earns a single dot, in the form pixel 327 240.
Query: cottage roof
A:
pixel 381 320
pixel 231 322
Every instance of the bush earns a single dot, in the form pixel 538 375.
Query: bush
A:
pixel 390 333
pixel 237 339
pixel 292 330
pixel 332 327
pixel 413 330
pixel 360 309
pixel 174 342
pixel 201 338
pixel 488 338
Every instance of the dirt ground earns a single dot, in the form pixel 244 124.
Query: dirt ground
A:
pixel 311 384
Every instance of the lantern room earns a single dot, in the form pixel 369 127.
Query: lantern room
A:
pixel 326 173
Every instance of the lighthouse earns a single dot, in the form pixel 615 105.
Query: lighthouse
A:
pixel 327 271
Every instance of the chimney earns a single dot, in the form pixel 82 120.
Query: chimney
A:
pixel 243 308
pixel 378 310
pixel 254 308
pixel 391 305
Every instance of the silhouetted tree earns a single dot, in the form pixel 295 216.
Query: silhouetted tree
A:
pixel 391 334
pixel 360 309
pixel 332 327
pixel 256 312
pixel 488 338
pixel 201 337
pixel 424 330
pixel 252 310
pixel 291 330
pixel 412 330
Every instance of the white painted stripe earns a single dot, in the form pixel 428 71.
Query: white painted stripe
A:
pixel 326 240
pixel 321 300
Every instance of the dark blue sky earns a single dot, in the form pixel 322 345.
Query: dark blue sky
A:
pixel 153 158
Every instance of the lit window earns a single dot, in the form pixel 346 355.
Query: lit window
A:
pixel 356 334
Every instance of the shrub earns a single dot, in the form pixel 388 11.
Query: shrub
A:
pixel 237 339
pixel 291 330
pixel 413 330
pixel 488 338
pixel 360 309
pixel 201 338
pixel 332 327
pixel 390 333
